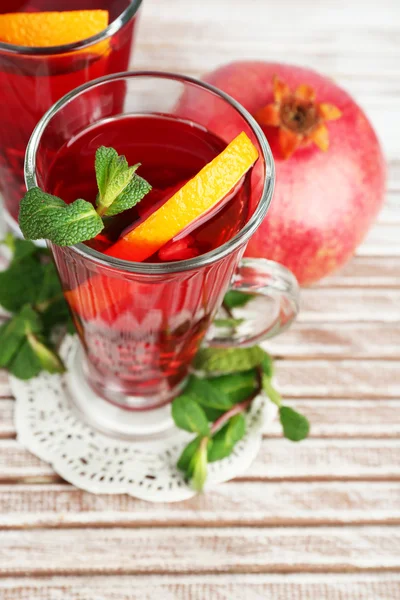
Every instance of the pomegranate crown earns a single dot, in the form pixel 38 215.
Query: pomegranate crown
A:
pixel 301 120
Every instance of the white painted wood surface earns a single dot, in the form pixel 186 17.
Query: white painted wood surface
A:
pixel 364 586
pixel 314 521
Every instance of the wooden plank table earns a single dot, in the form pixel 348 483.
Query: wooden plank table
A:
pixel 314 521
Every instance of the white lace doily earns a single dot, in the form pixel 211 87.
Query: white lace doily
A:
pixel 50 428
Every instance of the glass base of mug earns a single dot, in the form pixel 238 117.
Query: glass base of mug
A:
pixel 113 420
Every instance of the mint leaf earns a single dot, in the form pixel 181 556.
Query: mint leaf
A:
pixel 51 302
pixel 19 248
pixel 49 360
pixel 202 391
pixel 13 333
pixel 22 349
pixel 50 289
pixel 24 248
pixel 117 185
pixel 57 313
pixel 188 415
pixel 188 453
pixel 234 299
pixel 197 470
pixel 237 386
pixel 224 440
pixel 107 166
pixel 43 216
pixel 10 341
pixel 229 360
pixel 20 283
pixel 295 426
pixel 132 194
pixel 29 320
pixel 25 363
pixel 267 365
pixel 113 176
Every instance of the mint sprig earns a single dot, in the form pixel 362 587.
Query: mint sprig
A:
pixel 231 379
pixel 44 216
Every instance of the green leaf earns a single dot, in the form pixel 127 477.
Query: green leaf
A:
pixel 234 299
pixel 212 414
pixel 107 165
pixel 188 415
pixel 27 352
pixel 13 333
pixel 10 341
pixel 224 440
pixel 50 289
pixel 48 359
pixel 132 194
pixel 51 302
pixel 198 466
pixel 205 394
pixel 113 175
pixel 29 320
pixel 43 216
pixel 227 322
pixel 188 453
pixel 23 248
pixel 229 360
pixel 267 365
pixel 56 314
pixel 237 386
pixel 25 364
pixel 117 185
pixel 295 426
pixel 20 283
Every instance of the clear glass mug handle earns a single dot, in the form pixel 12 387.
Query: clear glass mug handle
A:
pixel 273 305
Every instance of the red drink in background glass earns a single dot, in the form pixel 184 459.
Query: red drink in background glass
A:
pixel 32 79
pixel 134 322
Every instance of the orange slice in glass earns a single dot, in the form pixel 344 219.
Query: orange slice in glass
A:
pixel 99 294
pixel 195 199
pixel 43 29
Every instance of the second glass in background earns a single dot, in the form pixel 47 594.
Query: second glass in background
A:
pixel 32 79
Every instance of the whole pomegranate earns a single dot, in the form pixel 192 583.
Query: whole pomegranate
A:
pixel 330 171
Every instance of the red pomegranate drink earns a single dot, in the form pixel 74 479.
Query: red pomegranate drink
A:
pixel 127 325
pixel 33 77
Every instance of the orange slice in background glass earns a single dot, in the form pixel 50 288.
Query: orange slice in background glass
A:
pixel 45 29
pixel 100 295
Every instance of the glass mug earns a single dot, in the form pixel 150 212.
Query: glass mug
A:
pixel 32 79
pixel 141 324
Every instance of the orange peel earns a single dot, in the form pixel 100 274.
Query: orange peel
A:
pixel 196 198
pixel 46 29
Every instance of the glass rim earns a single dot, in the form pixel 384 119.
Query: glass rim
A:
pixel 166 267
pixel 126 15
